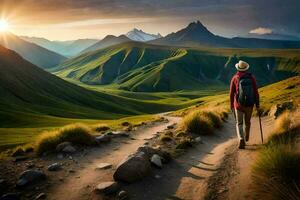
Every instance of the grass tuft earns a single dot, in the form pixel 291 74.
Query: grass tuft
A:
pixel 276 173
pixel 166 136
pixel 202 122
pixel 77 134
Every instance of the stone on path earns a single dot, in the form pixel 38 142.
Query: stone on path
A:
pixel 107 187
pixel 134 167
pixel 123 195
pixel 62 145
pixel 156 160
pixel 41 196
pixel 103 166
pixel 54 167
pixel 69 149
pixel 29 177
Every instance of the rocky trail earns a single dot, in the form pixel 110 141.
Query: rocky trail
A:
pixel 213 169
pixel 185 177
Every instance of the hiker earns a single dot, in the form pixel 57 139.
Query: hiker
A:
pixel 243 96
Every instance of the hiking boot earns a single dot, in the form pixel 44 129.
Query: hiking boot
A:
pixel 242 144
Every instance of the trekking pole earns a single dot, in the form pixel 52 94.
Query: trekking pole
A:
pixel 261 131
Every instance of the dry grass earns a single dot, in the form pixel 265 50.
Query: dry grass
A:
pixel 77 134
pixel 202 122
pixel 276 173
pixel 283 122
pixel 166 136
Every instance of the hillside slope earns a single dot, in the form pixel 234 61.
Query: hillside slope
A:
pixel 35 54
pixel 142 67
pixel 29 94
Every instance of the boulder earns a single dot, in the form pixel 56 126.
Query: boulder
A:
pixel 107 188
pixel 62 145
pixel 54 167
pixel 105 138
pixel 103 166
pixel 10 196
pixel 29 177
pixel 156 160
pixel 134 167
pixel 149 151
pixel 278 109
pixel 69 149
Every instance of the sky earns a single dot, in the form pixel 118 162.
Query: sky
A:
pixel 73 19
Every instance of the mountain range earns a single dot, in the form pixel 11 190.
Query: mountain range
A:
pixel 106 42
pixel 273 36
pixel 144 67
pixel 141 36
pixel 197 35
pixel 66 48
pixel 36 54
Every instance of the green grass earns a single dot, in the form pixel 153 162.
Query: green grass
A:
pixel 270 95
pixel 11 137
pixel 142 67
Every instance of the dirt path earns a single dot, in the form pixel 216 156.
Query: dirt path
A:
pixel 184 178
pixel 80 184
pixel 215 166
pixel 234 181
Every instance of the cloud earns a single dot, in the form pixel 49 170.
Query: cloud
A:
pixel 261 31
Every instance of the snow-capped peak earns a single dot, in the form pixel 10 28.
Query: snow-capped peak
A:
pixel 139 35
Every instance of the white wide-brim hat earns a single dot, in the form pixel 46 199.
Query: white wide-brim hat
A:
pixel 242 66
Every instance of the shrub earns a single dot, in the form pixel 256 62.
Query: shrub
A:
pixel 276 173
pixel 214 118
pixel 166 136
pixel 77 134
pixel 196 122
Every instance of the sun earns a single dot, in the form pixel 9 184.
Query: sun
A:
pixel 3 25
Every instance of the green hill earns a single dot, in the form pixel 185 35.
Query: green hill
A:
pixel 35 54
pixel 149 68
pixel 29 97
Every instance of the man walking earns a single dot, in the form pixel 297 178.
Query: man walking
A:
pixel 243 96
